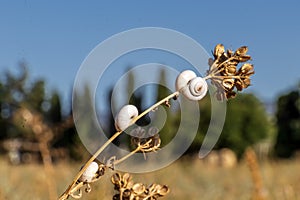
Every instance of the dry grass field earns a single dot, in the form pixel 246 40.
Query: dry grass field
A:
pixel 187 180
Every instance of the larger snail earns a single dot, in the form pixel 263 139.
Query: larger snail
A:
pixel 192 87
pixel 125 116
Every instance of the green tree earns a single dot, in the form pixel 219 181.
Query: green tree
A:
pixel 18 91
pixel 246 123
pixel 172 114
pixel 54 112
pixel 288 124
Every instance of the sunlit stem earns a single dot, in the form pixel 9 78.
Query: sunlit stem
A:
pixel 65 195
pixel 127 156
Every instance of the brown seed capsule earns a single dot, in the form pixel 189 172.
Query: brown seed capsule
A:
pixel 228 84
pixel 239 85
pixel 230 94
pixel 116 178
pixel 246 82
pixel 241 51
pixel 219 51
pixel 229 53
pixel 163 190
pixel 230 70
pixel 138 188
pixel 243 58
pixel 247 67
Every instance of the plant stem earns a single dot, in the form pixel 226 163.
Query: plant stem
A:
pixel 154 106
pixel 127 156
pixel 66 194
pixel 94 156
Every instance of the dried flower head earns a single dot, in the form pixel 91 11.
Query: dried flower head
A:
pixel 147 141
pixel 225 74
pixel 128 190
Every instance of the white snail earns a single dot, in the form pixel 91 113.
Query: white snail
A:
pixel 196 90
pixel 89 173
pixel 184 78
pixel 124 117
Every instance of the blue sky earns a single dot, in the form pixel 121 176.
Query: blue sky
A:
pixel 54 37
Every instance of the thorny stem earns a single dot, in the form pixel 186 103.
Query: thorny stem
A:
pixel 66 194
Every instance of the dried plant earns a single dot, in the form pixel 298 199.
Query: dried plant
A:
pixel 128 190
pixel 44 134
pixel 224 75
pixel 259 192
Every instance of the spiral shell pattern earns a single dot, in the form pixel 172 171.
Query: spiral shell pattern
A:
pixel 125 116
pixel 192 87
pixel 184 78
pixel 196 89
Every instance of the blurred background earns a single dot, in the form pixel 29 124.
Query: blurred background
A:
pixel 42 45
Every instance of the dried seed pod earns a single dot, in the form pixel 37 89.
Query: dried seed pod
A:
pixel 230 94
pixel 197 89
pixel 126 177
pixel 241 51
pixel 89 173
pixel 116 178
pixel 246 68
pixel 184 78
pixel 230 70
pixel 162 190
pixel 219 51
pixel 243 58
pixel 239 85
pixel 126 194
pixel 246 82
pixel 229 53
pixel 228 84
pixel 138 188
pixel 122 181
pixel 125 116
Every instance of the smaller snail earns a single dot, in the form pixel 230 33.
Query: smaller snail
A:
pixel 89 173
pixel 125 116
pixel 196 90
pixel 184 78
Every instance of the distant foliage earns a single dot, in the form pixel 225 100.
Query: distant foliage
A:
pixel 246 123
pixel 288 122
pixel 18 91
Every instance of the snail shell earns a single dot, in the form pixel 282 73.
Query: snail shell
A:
pixel 196 90
pixel 184 78
pixel 124 117
pixel 89 173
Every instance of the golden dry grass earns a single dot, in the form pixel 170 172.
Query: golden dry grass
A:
pixel 187 180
